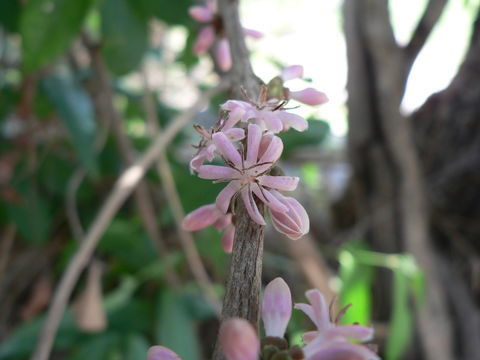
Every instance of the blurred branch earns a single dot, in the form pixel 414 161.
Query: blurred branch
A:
pixel 8 238
pixel 171 193
pixel 123 187
pixel 429 19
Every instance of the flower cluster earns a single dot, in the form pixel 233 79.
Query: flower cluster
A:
pixel 212 34
pixel 329 341
pixel 245 138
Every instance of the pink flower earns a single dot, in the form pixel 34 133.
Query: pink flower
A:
pixel 206 147
pixel 209 215
pixel 330 339
pixel 239 340
pixel 246 172
pixel 276 307
pixel 214 29
pixel 161 353
pixel 294 222
pixel 309 96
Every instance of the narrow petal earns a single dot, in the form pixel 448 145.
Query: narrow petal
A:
pixel 292 120
pixel 216 172
pixel 251 206
pixel 200 14
pixel 161 353
pixel 320 308
pixel 273 151
pixel 225 196
pixel 309 96
pixel 254 136
pixel 225 147
pixel 239 340
pixel 292 72
pixel 276 307
pixel 271 121
pixel 253 33
pixel 227 239
pixel 223 221
pixel 198 160
pixel 236 114
pixel 222 55
pixel 285 183
pixel 271 201
pixel 308 310
pixel 200 218
pixel 356 332
pixel 235 134
pixel 204 40
pixel 339 351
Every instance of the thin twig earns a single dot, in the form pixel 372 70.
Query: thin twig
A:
pixel 123 187
pixel 171 193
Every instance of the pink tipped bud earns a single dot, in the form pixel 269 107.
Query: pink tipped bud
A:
pixel 309 96
pixel 253 33
pixel 161 353
pixel 292 72
pixel 201 14
pixel 276 307
pixel 204 40
pixel 294 222
pixel 239 340
pixel 200 218
pixel 222 55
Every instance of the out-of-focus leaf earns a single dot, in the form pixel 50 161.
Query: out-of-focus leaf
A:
pixel 175 327
pixel 123 241
pixel 172 12
pixel 135 316
pixel 99 347
pixel 356 285
pixel 47 28
pixel 125 35
pixel 9 14
pixel 21 342
pixel 31 214
pixel 135 347
pixel 401 321
pixel 209 247
pixel 315 134
pixel 76 111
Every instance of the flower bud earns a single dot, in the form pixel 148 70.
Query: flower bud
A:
pixel 309 96
pixel 161 353
pixel 239 340
pixel 294 222
pixel 276 308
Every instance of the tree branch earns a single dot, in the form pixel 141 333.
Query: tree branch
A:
pixel 123 187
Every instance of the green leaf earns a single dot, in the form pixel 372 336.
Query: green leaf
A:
pixel 47 28
pixel 401 321
pixel 125 35
pixel 9 14
pixel 175 326
pixel 76 111
pixel 172 12
pixel 99 347
pixel 31 213
pixel 315 134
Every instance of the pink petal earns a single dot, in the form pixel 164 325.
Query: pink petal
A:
pixel 239 340
pixel 253 33
pixel 276 307
pixel 254 136
pixel 309 96
pixel 198 160
pixel 234 134
pixel 204 40
pixel 286 183
pixel 308 310
pixel 339 351
pixel 225 196
pixel 271 201
pixel 292 120
pixel 201 14
pixel 211 5
pixel 161 353
pixel 216 172
pixel 223 221
pixel 292 72
pixel 225 147
pixel 227 239
pixel 273 151
pixel 320 308
pixel 294 222
pixel 234 117
pixel 222 55
pixel 251 206
pixel 356 332
pixel 271 120
pixel 200 218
